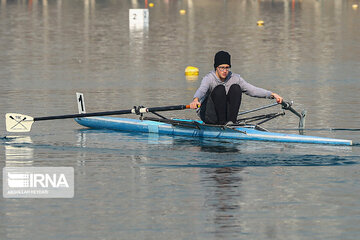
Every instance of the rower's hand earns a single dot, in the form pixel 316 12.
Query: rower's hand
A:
pixel 277 97
pixel 195 104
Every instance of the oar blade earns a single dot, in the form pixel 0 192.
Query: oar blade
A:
pixel 16 122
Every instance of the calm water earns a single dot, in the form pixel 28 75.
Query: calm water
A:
pixel 144 186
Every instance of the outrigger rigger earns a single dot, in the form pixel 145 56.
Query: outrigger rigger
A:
pixel 246 128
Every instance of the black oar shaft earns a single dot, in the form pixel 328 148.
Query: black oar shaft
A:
pixel 301 116
pixel 168 108
pixel 83 115
pixel 287 106
pixel 128 111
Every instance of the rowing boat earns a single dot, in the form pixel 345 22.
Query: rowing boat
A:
pixel 246 128
pixel 195 128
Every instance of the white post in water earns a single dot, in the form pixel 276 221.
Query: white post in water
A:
pixel 138 18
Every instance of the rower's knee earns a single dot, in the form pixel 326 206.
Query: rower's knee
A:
pixel 218 92
pixel 235 89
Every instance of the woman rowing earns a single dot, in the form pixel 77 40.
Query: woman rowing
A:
pixel 219 96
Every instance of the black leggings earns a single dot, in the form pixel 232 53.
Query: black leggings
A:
pixel 219 107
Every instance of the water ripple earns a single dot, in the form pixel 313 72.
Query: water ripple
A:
pixel 261 160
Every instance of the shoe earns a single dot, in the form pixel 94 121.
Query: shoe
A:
pixel 229 123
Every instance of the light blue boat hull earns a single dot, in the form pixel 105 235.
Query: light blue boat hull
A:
pixel 241 133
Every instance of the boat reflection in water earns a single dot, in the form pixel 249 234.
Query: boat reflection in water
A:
pixel 18 150
pixel 223 198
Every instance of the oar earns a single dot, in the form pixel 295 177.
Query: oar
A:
pixel 302 115
pixel 16 122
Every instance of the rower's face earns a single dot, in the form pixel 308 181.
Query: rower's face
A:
pixel 223 70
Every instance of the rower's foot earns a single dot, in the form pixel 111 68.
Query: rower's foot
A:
pixel 229 123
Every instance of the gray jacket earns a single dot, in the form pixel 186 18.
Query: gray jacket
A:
pixel 210 81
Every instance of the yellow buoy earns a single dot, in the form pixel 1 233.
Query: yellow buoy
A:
pixel 192 77
pixel 151 5
pixel 191 71
pixel 182 11
pixel 355 6
pixel 260 23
